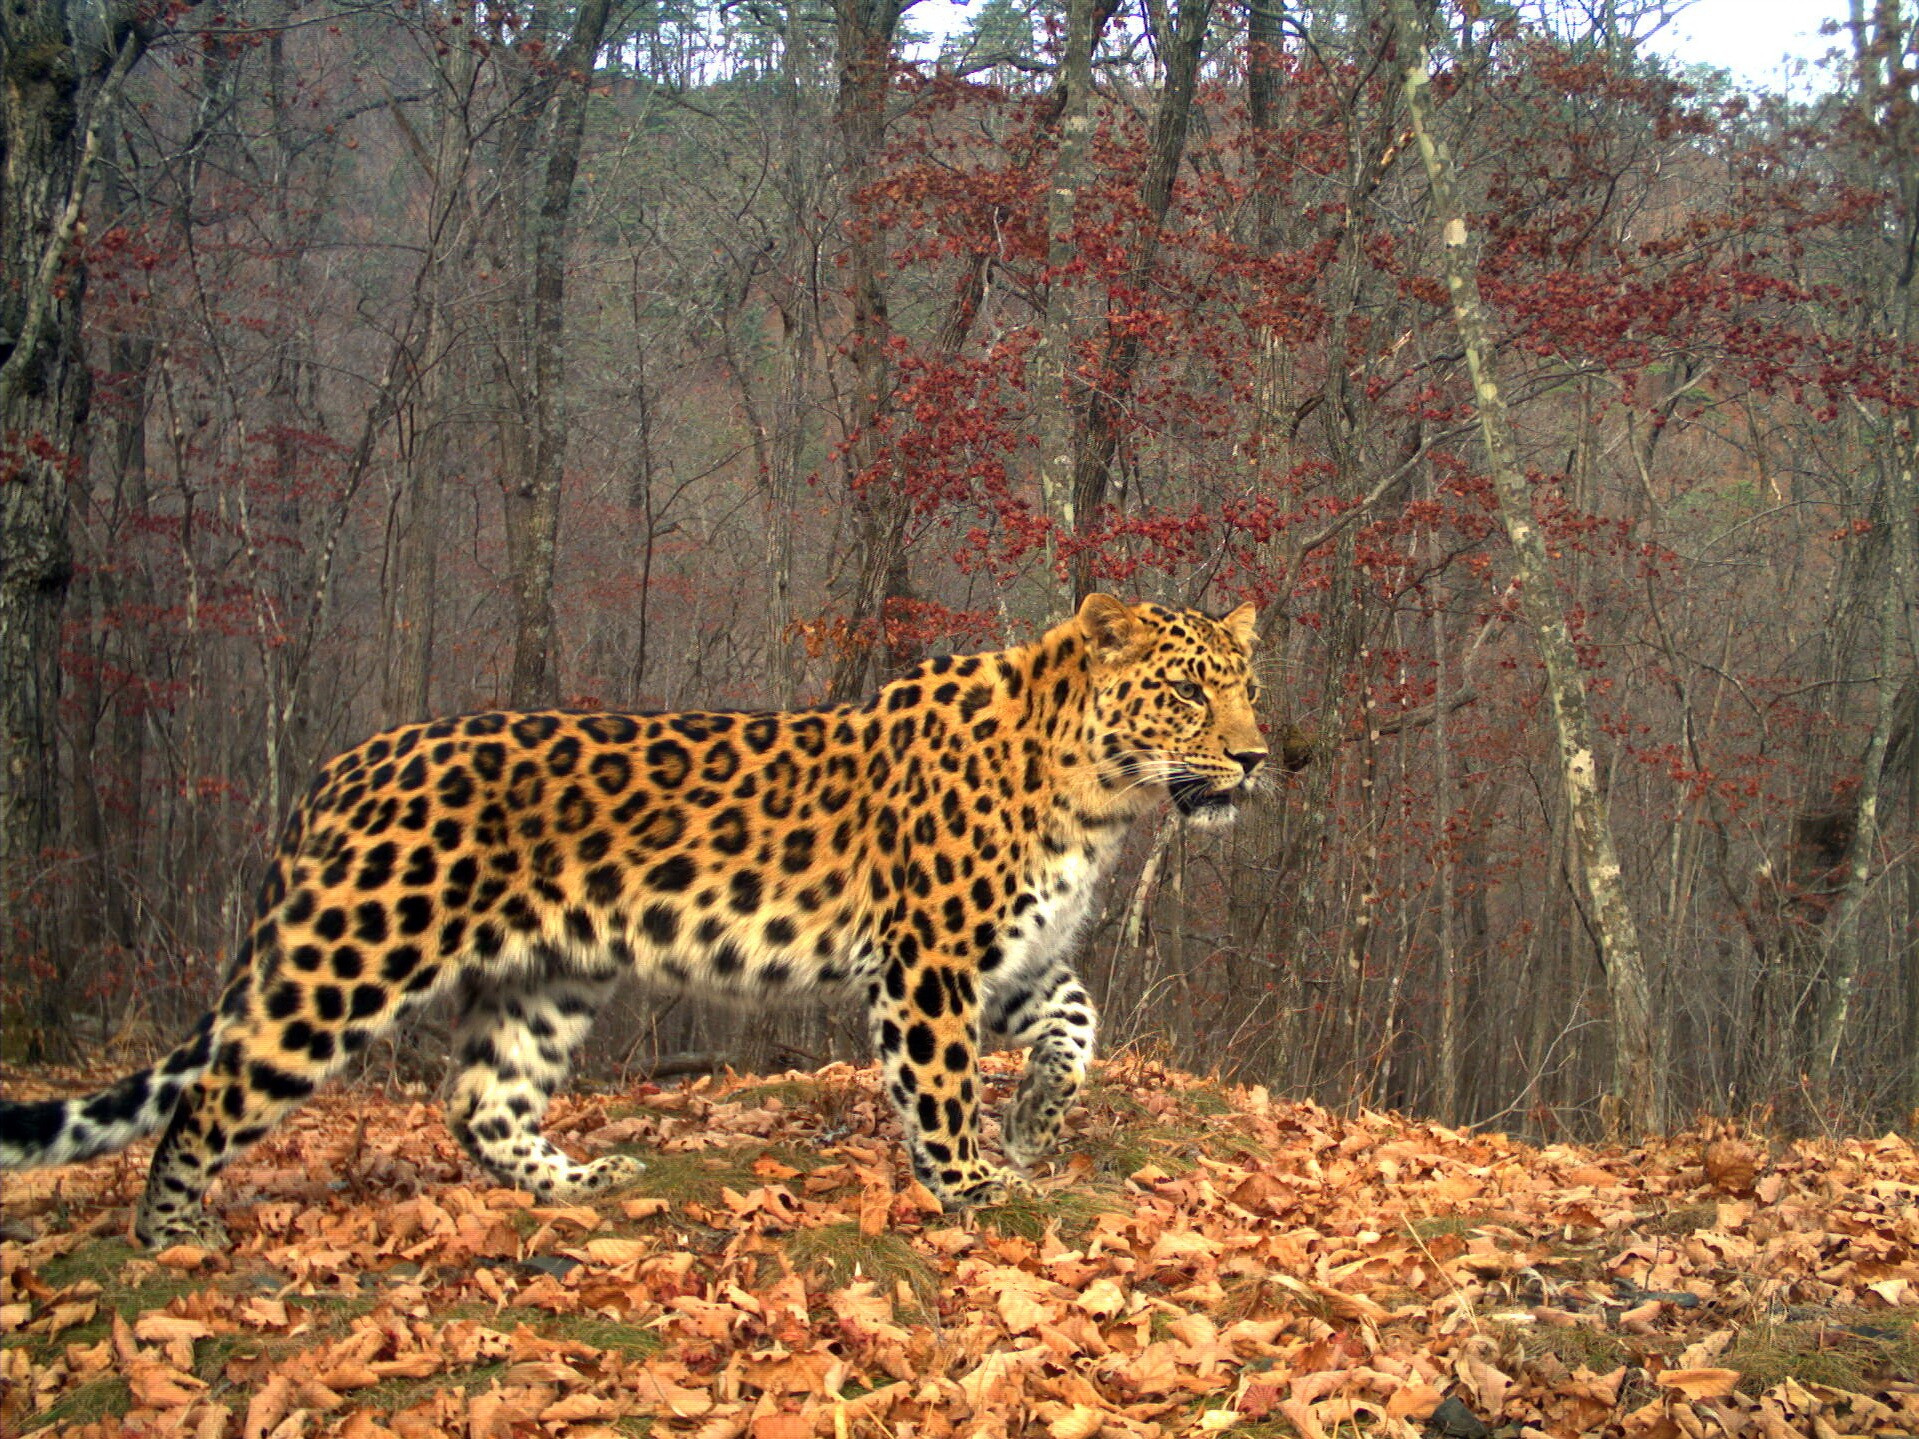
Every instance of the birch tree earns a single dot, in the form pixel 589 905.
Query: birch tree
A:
pixel 1636 1081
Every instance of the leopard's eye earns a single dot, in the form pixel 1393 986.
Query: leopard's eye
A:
pixel 1189 691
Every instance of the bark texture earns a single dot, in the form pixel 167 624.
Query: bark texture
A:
pixel 61 67
pixel 551 123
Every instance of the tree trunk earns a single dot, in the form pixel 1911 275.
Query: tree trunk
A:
pixel 61 67
pixel 1636 1080
pixel 1446 1087
pixel 1841 968
pixel 538 451
pixel 430 365
pixel 865 32
pixel 1055 390
pixel 1181 43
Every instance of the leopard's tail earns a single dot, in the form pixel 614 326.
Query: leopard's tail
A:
pixel 62 1131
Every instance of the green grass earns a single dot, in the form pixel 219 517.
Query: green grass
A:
pixel 1683 1220
pixel 1128 1140
pixel 1597 1349
pixel 1103 1095
pixel 839 1253
pixel 102 1261
pixel 328 1316
pixel 1072 1212
pixel 398 1394
pixel 97 1399
pixel 593 1329
pixel 1234 1147
pixel 601 1333
pixel 694 1178
pixel 1261 1429
pixel 791 1093
pixel 1435 1226
pixel 1124 1151
pixel 1206 1100
pixel 1769 1353
pixel 697 1177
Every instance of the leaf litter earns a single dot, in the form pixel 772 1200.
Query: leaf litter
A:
pixel 1235 1265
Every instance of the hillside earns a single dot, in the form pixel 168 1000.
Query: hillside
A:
pixel 1208 1261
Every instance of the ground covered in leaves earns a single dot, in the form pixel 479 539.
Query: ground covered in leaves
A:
pixel 1207 1261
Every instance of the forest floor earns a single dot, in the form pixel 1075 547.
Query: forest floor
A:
pixel 1206 1260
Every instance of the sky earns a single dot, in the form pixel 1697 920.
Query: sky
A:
pixel 1747 37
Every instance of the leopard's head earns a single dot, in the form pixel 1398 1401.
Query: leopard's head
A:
pixel 1172 703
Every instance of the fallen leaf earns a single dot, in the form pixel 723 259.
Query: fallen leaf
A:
pixel 1699 1383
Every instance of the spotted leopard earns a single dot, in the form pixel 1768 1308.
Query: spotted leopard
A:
pixel 934 851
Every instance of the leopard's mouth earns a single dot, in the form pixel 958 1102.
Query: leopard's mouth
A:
pixel 1195 798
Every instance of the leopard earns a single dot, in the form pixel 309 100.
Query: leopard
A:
pixel 933 851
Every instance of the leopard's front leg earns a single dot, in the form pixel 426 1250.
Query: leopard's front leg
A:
pixel 925 1014
pixel 1054 1021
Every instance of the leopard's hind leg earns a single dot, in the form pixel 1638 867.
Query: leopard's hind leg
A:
pixel 285 1023
pixel 515 1040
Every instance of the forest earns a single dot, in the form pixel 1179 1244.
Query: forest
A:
pixel 367 360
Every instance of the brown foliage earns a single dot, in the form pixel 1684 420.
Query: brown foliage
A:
pixel 1207 1261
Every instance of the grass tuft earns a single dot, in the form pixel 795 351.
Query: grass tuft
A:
pixel 839 1253
pixel 1206 1101
pixel 694 1178
pixel 396 1395
pixel 1435 1226
pixel 605 1334
pixel 104 1261
pixel 1597 1349
pixel 1682 1221
pixel 791 1093
pixel 97 1399
pixel 1027 1216
pixel 1850 1358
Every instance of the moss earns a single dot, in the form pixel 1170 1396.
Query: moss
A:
pixel 839 1253
pixel 97 1399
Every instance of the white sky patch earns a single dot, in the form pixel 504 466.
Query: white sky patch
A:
pixel 1769 44
pixel 1761 42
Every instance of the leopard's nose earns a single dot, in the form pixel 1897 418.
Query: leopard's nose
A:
pixel 1250 759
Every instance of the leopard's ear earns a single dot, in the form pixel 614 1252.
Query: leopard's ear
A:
pixel 1110 626
pixel 1239 624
